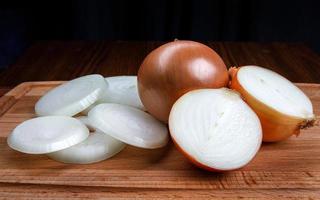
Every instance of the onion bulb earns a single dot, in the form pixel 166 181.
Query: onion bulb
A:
pixel 72 97
pixel 175 68
pixel 43 135
pixel 282 107
pixel 97 147
pixel 215 129
pixel 129 125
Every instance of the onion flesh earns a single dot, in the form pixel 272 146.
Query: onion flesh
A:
pixel 129 125
pixel 97 147
pixel 123 90
pixel 282 107
pixel 85 121
pixel 47 134
pixel 215 129
pixel 72 97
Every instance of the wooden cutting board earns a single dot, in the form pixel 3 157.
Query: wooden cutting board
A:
pixel 289 169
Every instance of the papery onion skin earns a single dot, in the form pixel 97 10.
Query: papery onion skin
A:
pixel 276 126
pixel 174 69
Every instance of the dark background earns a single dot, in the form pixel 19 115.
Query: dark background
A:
pixel 23 22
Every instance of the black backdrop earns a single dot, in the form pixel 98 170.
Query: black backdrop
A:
pixel 23 22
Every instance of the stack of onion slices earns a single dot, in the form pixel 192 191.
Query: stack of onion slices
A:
pixel 115 118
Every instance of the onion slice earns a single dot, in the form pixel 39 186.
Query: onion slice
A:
pixel 123 90
pixel 72 97
pixel 86 111
pixel 85 121
pixel 282 107
pixel 215 129
pixel 129 125
pixel 97 147
pixel 47 134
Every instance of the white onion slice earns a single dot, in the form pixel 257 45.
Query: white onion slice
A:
pixel 97 147
pixel 123 90
pixel 86 111
pixel 130 125
pixel 72 97
pixel 47 134
pixel 215 129
pixel 85 121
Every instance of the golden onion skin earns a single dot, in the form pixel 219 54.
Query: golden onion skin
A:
pixel 174 69
pixel 276 126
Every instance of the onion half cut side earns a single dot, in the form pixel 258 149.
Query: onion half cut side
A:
pixel 129 125
pixel 123 90
pixel 282 107
pixel 215 129
pixel 47 134
pixel 72 97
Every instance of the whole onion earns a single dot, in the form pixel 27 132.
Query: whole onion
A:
pixel 175 68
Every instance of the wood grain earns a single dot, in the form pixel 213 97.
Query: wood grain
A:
pixel 289 169
pixel 4 90
pixel 23 191
pixel 65 60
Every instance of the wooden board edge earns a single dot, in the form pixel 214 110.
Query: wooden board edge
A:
pixel 35 191
pixel 308 84
pixel 11 97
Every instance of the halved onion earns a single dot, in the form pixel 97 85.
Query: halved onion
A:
pixel 129 125
pixel 215 129
pixel 47 134
pixel 97 147
pixel 72 97
pixel 282 107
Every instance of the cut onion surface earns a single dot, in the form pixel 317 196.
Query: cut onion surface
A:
pixel 129 125
pixel 215 129
pixel 97 147
pixel 282 107
pixel 123 90
pixel 72 97
pixel 47 134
